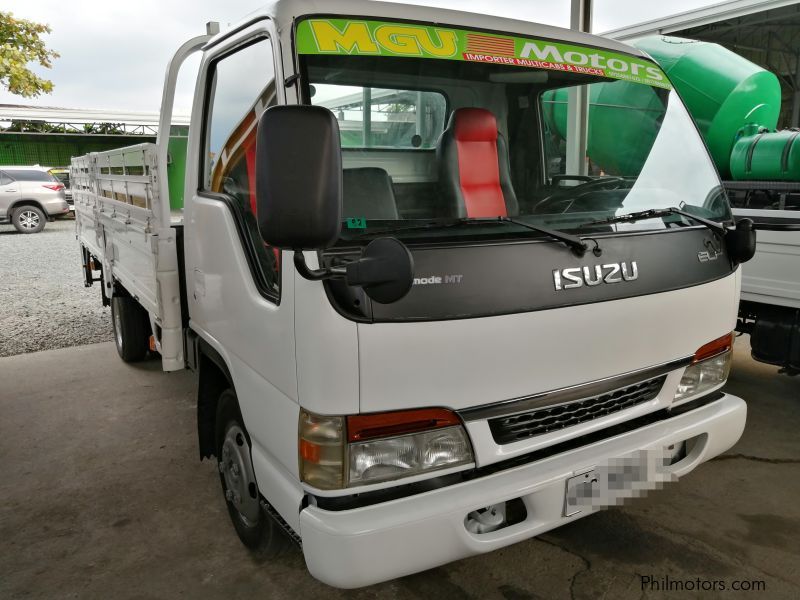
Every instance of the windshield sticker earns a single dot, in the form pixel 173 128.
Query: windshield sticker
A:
pixel 356 223
pixel 378 38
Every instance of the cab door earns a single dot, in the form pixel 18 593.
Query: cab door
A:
pixel 241 291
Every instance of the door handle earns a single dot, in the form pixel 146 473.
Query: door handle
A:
pixel 11 190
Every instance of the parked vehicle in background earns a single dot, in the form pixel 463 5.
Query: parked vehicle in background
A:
pixel 29 196
pixel 414 341
pixel 62 174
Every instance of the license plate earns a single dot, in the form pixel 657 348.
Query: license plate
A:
pixel 578 488
pixel 620 478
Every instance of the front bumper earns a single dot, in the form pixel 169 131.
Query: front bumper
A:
pixel 362 546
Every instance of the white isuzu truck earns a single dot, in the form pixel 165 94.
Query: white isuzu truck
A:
pixel 418 335
pixel 770 306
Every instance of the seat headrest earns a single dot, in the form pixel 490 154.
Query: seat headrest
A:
pixel 368 192
pixel 474 125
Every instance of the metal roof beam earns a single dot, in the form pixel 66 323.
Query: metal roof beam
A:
pixel 697 18
pixel 9 112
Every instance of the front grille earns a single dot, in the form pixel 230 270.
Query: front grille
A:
pixel 514 428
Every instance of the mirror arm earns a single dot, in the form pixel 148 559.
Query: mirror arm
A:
pixel 315 274
pixel 385 270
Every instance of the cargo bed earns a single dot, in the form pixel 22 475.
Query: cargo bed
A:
pixel 128 232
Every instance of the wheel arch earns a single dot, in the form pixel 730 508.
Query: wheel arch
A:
pixel 214 378
pixel 28 202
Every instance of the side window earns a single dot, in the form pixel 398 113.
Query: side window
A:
pixel 382 118
pixel 5 179
pixel 242 87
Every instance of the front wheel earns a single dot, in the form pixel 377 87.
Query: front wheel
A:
pixel 131 328
pixel 255 527
pixel 28 219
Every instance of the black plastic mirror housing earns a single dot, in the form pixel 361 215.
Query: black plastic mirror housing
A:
pixel 741 241
pixel 385 271
pixel 299 177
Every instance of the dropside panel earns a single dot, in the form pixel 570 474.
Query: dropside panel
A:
pixel 117 204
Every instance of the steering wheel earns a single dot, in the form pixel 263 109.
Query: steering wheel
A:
pixel 567 193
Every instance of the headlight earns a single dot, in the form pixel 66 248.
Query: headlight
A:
pixel 337 452
pixel 709 369
pixel 407 455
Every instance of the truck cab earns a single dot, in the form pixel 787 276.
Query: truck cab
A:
pixel 419 335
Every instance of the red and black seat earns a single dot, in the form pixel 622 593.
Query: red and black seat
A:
pixel 473 166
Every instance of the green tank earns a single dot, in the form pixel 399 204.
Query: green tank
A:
pixel 622 123
pixel 723 91
pixel 760 155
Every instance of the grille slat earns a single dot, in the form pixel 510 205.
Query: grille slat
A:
pixel 514 428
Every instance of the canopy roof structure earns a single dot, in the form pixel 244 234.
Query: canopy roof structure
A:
pixel 47 135
pixel 19 118
pixel 766 32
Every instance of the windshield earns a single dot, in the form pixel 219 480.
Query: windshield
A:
pixel 441 147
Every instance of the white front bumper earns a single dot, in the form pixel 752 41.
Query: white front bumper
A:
pixel 362 546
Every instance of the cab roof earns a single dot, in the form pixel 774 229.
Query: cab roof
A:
pixel 284 12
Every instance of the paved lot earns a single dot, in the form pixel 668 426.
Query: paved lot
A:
pixel 44 303
pixel 102 496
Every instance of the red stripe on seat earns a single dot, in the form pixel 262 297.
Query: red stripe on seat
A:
pixel 478 167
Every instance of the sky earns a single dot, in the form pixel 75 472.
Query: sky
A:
pixel 114 54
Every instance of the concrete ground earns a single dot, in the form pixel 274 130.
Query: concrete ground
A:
pixel 102 496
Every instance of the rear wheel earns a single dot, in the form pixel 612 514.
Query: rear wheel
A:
pixel 28 219
pixel 131 328
pixel 255 527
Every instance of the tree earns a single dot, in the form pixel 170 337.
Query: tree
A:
pixel 20 44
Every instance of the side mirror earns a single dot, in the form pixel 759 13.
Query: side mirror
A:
pixel 299 199
pixel 385 270
pixel 299 177
pixel 741 242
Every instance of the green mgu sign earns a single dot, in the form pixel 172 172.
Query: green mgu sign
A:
pixel 379 38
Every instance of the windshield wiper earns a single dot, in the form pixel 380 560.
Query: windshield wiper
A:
pixel 655 213
pixel 574 242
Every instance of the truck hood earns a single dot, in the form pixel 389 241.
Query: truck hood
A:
pixel 462 363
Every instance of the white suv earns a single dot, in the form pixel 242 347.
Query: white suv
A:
pixel 29 196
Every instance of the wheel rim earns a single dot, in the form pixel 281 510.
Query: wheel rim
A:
pixel 236 468
pixel 28 219
pixel 117 329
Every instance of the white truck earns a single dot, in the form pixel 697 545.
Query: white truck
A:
pixel 770 305
pixel 417 338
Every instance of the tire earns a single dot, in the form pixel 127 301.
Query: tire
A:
pixel 28 218
pixel 257 530
pixel 131 326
